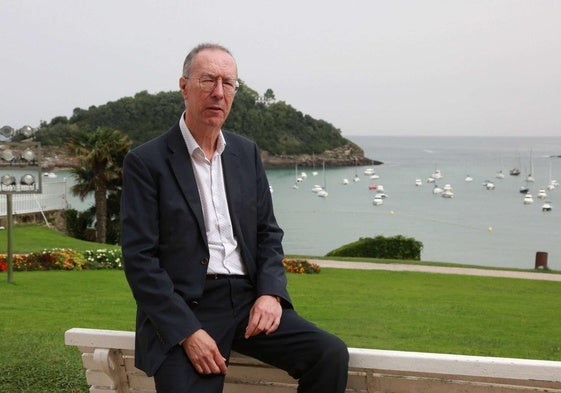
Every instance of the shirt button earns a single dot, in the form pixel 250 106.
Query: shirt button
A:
pixel 204 261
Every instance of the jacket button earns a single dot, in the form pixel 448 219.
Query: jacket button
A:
pixel 204 261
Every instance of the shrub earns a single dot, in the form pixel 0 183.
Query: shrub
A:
pixel 300 266
pixel 3 265
pixel 396 247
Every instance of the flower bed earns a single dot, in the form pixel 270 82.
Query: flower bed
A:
pixel 66 259
pixel 300 266
pixel 63 259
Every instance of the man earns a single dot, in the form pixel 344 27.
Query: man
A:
pixel 202 250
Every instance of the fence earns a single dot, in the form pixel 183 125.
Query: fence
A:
pixel 52 197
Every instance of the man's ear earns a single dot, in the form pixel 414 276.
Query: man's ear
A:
pixel 183 86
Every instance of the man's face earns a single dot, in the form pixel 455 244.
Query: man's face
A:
pixel 207 104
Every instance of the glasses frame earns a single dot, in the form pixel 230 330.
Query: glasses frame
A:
pixel 214 79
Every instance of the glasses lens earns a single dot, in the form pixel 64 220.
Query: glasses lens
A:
pixel 207 84
pixel 229 86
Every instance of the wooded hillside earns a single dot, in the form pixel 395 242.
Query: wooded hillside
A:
pixel 284 134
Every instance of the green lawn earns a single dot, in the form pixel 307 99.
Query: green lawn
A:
pixel 31 237
pixel 372 309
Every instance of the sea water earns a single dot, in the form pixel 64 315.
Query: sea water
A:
pixel 477 226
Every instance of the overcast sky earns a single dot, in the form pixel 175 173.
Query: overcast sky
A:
pixel 369 67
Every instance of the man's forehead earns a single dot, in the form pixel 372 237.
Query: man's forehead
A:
pixel 214 59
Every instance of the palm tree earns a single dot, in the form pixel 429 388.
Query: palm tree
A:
pixel 100 156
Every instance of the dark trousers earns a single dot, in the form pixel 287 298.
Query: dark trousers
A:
pixel 317 359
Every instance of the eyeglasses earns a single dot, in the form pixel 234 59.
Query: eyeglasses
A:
pixel 208 83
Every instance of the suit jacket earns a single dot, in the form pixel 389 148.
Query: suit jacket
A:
pixel 164 240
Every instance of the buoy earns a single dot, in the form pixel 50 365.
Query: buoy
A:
pixel 490 229
pixel 392 212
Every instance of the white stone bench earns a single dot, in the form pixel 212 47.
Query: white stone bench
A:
pixel 108 357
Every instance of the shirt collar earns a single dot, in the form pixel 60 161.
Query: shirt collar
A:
pixel 192 144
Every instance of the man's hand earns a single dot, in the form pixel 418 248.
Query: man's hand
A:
pixel 204 354
pixel 264 317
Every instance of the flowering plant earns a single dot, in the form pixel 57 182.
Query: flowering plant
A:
pixel 3 265
pixel 103 259
pixel 53 259
pixel 300 266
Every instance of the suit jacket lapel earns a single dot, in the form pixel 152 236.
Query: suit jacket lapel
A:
pixel 180 164
pixel 231 170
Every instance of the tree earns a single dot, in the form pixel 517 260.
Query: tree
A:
pixel 100 155
pixel 269 96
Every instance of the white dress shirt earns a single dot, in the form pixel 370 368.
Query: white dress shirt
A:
pixel 225 257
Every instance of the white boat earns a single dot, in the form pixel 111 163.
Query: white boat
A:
pixel 500 175
pixel 345 181
pixel 356 179
pixel 317 188
pixel 542 194
pixel 369 171
pixel 468 178
pixel 447 191
pixel 546 207
pixel 528 199
pixel 530 177
pixel 447 194
pixel 437 190
pixel 378 200
pixel 436 174
pixel 298 178
pixel 431 179
pixel 418 182
pixel 374 176
pixel 323 192
pixel 490 186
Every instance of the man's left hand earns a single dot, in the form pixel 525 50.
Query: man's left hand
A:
pixel 264 317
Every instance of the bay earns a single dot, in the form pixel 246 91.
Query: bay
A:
pixel 477 227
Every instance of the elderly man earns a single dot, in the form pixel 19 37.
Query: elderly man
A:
pixel 202 250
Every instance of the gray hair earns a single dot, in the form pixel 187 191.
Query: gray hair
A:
pixel 188 63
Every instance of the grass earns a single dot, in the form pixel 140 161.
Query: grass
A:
pixel 372 309
pixel 31 237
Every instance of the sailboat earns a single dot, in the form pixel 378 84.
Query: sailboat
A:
pixel 298 179
pixel 500 174
pixel 356 178
pixel 552 183
pixel 515 171
pixel 530 177
pixel 323 192
pixel 314 172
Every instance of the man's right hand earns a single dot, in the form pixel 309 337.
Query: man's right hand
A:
pixel 204 354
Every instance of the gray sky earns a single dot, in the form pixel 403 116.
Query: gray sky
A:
pixel 369 67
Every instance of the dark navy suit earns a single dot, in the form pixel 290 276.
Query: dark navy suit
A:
pixel 166 253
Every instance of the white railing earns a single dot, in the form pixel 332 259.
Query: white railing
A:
pixel 52 197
